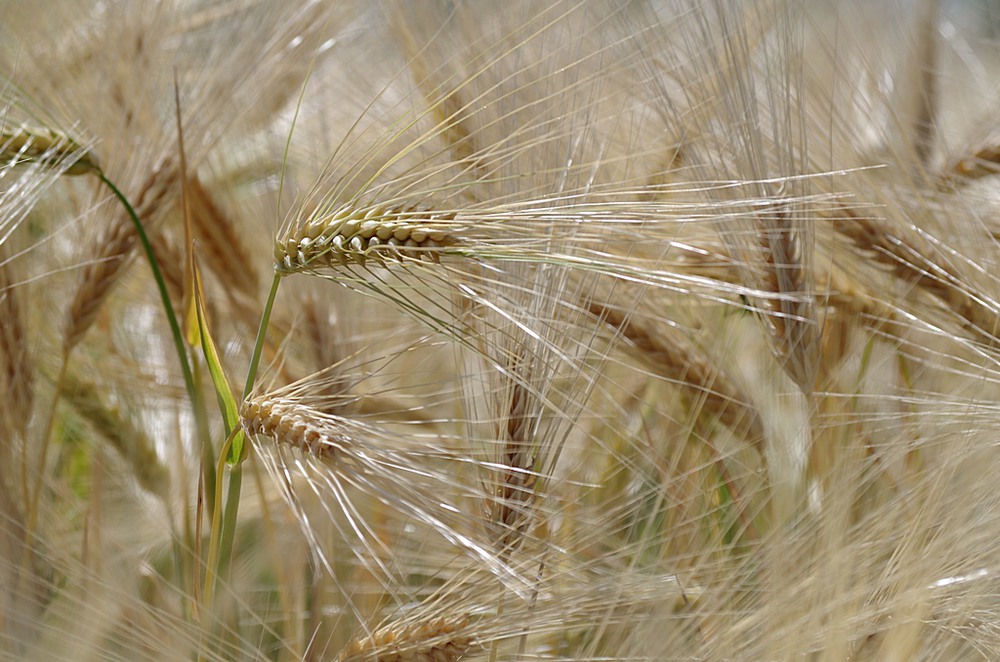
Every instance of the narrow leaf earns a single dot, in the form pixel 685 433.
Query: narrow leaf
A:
pixel 227 403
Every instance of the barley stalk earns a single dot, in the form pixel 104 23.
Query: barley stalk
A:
pixel 171 260
pixel 112 251
pixel 352 234
pixel 438 639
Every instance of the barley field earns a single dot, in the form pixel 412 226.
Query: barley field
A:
pixel 464 330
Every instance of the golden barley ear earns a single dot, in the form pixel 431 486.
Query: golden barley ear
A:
pixel 441 88
pixel 291 425
pixel 16 367
pixel 674 359
pixel 416 477
pixel 508 507
pixel 438 639
pixel 914 259
pixel 221 246
pixel 789 315
pixel 352 235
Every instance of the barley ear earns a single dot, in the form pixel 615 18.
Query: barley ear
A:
pixel 676 361
pixel 441 639
pixel 790 315
pixel 132 444
pixel 352 234
pixel 288 424
pixel 508 507
pixel 31 145
pixel 16 372
pixel 911 258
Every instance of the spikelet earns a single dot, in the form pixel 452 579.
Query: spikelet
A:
pixel 985 162
pixel 351 235
pixel 441 639
pixel 33 145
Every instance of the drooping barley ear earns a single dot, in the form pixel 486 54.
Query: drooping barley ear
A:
pixel 16 373
pixel 220 243
pixel 440 639
pixel 32 145
pixel 789 315
pixel 848 298
pixel 112 250
pixel 291 424
pixel 508 506
pixel 675 360
pixel 912 259
pixel 376 463
pixel 352 234
pixel 118 430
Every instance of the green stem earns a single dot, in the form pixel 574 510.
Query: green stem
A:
pixel 168 308
pixel 224 532
pixel 236 472
pixel 213 564
pixel 261 331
